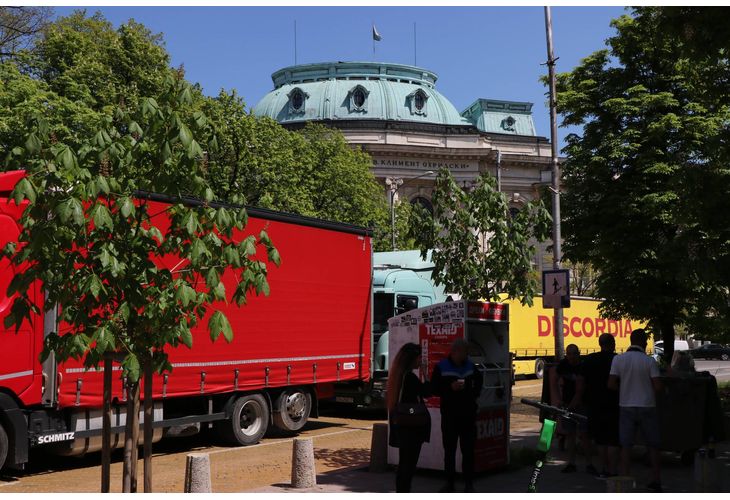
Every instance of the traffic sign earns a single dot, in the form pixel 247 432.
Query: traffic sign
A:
pixel 556 288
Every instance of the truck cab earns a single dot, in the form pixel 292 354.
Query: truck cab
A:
pixel 401 282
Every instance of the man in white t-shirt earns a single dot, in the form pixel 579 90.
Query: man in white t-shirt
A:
pixel 636 376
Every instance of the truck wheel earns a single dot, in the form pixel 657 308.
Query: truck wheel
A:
pixel 248 423
pixel 292 409
pixel 539 368
pixel 724 356
pixel 4 446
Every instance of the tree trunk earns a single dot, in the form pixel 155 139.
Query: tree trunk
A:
pixel 135 437
pixel 106 430
pixel 131 438
pixel 667 328
pixel 127 465
pixel 148 418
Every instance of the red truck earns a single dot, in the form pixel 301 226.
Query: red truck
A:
pixel 288 350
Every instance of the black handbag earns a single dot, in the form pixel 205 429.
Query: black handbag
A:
pixel 410 414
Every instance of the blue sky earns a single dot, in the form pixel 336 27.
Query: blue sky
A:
pixel 493 52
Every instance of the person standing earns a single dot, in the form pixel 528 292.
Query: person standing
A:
pixel 458 382
pixel 636 376
pixel 566 374
pixel 404 387
pixel 601 403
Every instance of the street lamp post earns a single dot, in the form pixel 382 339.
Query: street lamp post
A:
pixel 555 188
pixel 395 183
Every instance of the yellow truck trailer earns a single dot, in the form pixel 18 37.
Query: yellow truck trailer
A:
pixel 531 332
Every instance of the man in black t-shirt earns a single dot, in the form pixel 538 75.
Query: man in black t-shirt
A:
pixel 567 373
pixel 601 403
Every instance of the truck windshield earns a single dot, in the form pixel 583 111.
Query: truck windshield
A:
pixel 382 311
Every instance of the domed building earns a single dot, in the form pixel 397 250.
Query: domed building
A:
pixel 395 113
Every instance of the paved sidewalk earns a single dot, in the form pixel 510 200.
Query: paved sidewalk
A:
pixel 676 477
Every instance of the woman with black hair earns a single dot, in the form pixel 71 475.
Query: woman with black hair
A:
pixel 405 389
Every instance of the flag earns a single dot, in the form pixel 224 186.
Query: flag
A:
pixel 376 35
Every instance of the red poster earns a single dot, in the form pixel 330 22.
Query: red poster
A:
pixel 491 447
pixel 436 340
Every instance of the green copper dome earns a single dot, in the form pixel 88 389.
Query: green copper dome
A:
pixel 357 91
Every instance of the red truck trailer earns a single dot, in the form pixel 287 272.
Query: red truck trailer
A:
pixel 288 350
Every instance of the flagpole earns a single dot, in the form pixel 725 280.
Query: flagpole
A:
pixel 372 30
pixel 415 58
pixel 295 42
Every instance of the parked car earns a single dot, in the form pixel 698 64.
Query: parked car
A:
pixel 711 351
pixel 679 345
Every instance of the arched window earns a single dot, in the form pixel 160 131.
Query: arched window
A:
pixel 297 100
pixel 424 203
pixel 358 99
pixel 418 102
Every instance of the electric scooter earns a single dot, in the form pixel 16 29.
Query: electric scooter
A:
pixel 549 425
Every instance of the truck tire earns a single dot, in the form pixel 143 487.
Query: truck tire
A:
pixel 724 356
pixel 4 446
pixel 539 368
pixel 248 423
pixel 292 409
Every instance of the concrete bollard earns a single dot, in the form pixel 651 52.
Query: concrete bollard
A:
pixel 620 484
pixel 707 474
pixel 379 448
pixel 197 473
pixel 303 474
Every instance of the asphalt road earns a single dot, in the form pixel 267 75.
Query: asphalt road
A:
pixel 720 369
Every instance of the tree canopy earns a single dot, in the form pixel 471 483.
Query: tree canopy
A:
pixel 480 250
pixel 645 175
pixel 81 68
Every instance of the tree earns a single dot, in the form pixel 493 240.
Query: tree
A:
pixel 312 172
pixel 479 250
pixel 85 59
pixel 404 220
pixel 99 255
pixel 20 27
pixel 77 71
pixel 644 177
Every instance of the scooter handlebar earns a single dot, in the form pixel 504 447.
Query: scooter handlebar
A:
pixel 554 410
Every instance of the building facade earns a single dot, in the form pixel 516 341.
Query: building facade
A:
pixel 395 113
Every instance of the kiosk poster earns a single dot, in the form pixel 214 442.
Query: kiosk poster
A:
pixel 490 449
pixel 436 340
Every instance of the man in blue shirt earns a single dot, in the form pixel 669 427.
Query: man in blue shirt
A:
pixel 458 382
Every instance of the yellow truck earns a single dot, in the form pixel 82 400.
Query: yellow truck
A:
pixel 531 332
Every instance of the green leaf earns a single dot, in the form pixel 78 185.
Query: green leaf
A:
pixel 212 278
pixel 190 222
pixel 274 256
pixel 127 208
pixel 197 251
pixel 66 158
pixel 103 184
pixel 102 217
pixel 185 136
pixel 33 144
pixel 218 324
pixel 131 367
pixel 185 294
pixel 95 286
pixel 186 336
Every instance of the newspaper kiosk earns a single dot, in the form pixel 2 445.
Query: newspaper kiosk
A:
pixel 485 326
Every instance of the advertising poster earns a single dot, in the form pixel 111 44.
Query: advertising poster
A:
pixel 490 449
pixel 436 340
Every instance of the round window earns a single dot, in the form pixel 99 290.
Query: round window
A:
pixel 297 100
pixel 358 98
